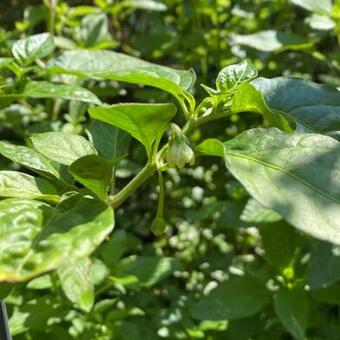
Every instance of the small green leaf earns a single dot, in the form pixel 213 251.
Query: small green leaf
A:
pixel 110 142
pixel 234 75
pixel 34 47
pixel 237 298
pixel 17 184
pixel 36 238
pixel 319 6
pixel 296 175
pixel 145 122
pixel 28 158
pixel 320 22
pixel 62 147
pixel 248 98
pixel 94 172
pixel 76 282
pixel 292 308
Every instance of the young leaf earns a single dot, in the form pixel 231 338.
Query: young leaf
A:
pixel 110 142
pixel 292 308
pixel 62 147
pixel 248 98
pixel 28 158
pixel 237 298
pixel 121 67
pixel 17 184
pixel 234 75
pixel 145 122
pixel 315 106
pixel 296 175
pixel 94 172
pixel 320 6
pixel 271 40
pixel 37 238
pixel 34 47
pixel 76 282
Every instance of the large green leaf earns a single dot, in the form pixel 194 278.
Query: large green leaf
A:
pixel 145 122
pixel 62 147
pixel 93 172
pixel 45 89
pixel 110 142
pixel 292 308
pixel 271 40
pixel 76 282
pixel 121 67
pixel 296 175
pixel 18 184
pixel 33 47
pixel 237 298
pixel 248 98
pixel 315 106
pixel 34 238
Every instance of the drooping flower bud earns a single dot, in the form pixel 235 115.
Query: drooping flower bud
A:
pixel 158 226
pixel 179 152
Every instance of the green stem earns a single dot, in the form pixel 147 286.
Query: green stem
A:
pixel 160 208
pixel 133 185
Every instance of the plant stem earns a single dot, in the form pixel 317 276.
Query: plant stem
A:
pixel 133 185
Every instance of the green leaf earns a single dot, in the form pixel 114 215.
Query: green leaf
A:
pixel 239 297
pixel 320 22
pixel 324 258
pixel 145 122
pixel 296 175
pixel 148 271
pixel 110 142
pixel 45 89
pixel 320 6
pixel 76 282
pixel 62 147
pixel 255 212
pixel 36 238
pixel 147 5
pixel 28 158
pixel 94 172
pixel 292 308
pixel 17 184
pixel 248 98
pixel 121 67
pixel 314 106
pixel 271 40
pixel 34 47
pixel 234 75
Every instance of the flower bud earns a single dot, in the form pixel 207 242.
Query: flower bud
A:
pixel 158 226
pixel 179 152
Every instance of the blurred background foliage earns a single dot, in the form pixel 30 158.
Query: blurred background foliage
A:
pixel 273 283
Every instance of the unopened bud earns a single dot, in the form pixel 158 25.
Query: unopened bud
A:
pixel 158 226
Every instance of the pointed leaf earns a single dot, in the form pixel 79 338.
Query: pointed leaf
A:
pixel 319 6
pixel 94 172
pixel 296 175
pixel 36 238
pixel 62 147
pixel 234 75
pixel 292 308
pixel 145 122
pixel 33 47
pixel 17 184
pixel 76 282
pixel 121 67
